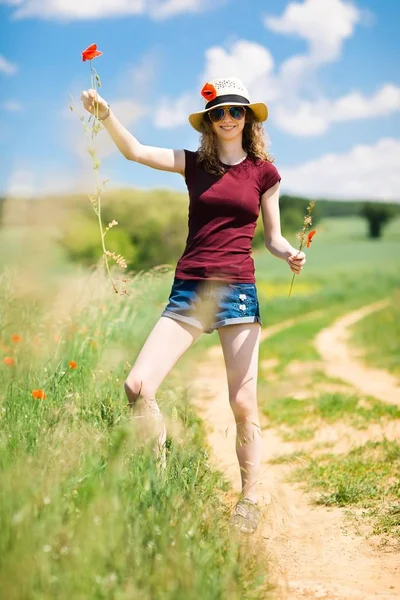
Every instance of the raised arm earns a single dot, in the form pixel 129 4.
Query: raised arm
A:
pixel 164 159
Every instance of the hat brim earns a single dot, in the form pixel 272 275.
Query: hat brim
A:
pixel 259 109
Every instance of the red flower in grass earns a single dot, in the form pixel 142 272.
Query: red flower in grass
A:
pixel 39 394
pixel 8 360
pixel 310 237
pixel 72 364
pixel 209 92
pixel 16 338
pixel 91 52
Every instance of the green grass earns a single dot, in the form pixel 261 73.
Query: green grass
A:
pixel 344 271
pixel 83 511
pixel 339 247
pixel 299 419
pixel 366 477
pixel 379 336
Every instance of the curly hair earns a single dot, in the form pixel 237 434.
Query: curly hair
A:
pixel 253 143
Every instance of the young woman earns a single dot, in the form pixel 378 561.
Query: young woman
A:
pixel 229 178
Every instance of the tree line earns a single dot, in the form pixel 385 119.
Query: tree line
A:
pixel 153 223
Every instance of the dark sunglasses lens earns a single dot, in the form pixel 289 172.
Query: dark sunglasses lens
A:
pixel 217 114
pixel 237 112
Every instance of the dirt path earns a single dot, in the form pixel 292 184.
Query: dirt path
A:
pixel 314 551
pixel 340 360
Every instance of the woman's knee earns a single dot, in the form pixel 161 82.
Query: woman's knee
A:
pixel 136 386
pixel 243 404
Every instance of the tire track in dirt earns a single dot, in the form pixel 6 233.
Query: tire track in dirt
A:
pixel 314 552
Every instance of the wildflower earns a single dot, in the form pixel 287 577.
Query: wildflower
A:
pixel 310 237
pixel 95 199
pixel 302 235
pixel 16 338
pixel 91 52
pixel 119 259
pixel 39 394
pixel 72 364
pixel 8 360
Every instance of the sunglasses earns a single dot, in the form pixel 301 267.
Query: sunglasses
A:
pixel 217 114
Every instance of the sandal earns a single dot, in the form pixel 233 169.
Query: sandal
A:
pixel 246 515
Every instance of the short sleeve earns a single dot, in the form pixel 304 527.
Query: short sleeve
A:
pixel 269 176
pixel 190 165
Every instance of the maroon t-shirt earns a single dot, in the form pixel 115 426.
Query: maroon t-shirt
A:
pixel 223 213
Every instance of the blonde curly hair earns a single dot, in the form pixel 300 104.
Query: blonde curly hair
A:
pixel 253 143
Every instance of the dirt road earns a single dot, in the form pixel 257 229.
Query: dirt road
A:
pixel 314 550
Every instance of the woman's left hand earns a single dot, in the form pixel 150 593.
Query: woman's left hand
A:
pixel 296 261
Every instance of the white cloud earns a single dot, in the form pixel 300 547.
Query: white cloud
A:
pixel 68 10
pixel 173 113
pixel 325 24
pixel 7 67
pixel 249 61
pixel 356 106
pixel 11 106
pixel 292 93
pixel 170 8
pixel 365 172
pixel 314 118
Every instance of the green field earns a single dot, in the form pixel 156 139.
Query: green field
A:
pixel 83 512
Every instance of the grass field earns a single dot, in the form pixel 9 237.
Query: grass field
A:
pixel 344 272
pixel 82 507
pixel 82 510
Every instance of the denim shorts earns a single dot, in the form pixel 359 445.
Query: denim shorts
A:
pixel 211 304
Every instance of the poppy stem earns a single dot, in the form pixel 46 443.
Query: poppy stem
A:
pixel 96 199
pixel 291 285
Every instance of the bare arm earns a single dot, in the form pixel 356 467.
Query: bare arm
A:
pixel 164 159
pixel 274 240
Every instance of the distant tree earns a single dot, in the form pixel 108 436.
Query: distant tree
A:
pixel 378 214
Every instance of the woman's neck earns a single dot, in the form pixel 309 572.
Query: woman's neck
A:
pixel 231 153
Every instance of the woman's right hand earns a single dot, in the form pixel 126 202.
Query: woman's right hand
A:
pixel 91 98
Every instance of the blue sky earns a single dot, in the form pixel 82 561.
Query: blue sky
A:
pixel 327 69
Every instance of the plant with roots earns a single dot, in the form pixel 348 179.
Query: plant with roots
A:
pixel 92 127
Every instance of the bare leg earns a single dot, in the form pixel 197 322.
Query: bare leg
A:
pixel 166 343
pixel 240 344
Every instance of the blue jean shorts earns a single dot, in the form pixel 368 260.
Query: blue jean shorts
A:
pixel 211 304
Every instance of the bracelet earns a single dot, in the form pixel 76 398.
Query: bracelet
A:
pixel 108 114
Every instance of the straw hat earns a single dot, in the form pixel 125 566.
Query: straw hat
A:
pixel 226 92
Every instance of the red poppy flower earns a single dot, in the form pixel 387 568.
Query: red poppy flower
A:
pixel 91 52
pixel 8 360
pixel 16 338
pixel 310 237
pixel 209 92
pixel 72 364
pixel 39 394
